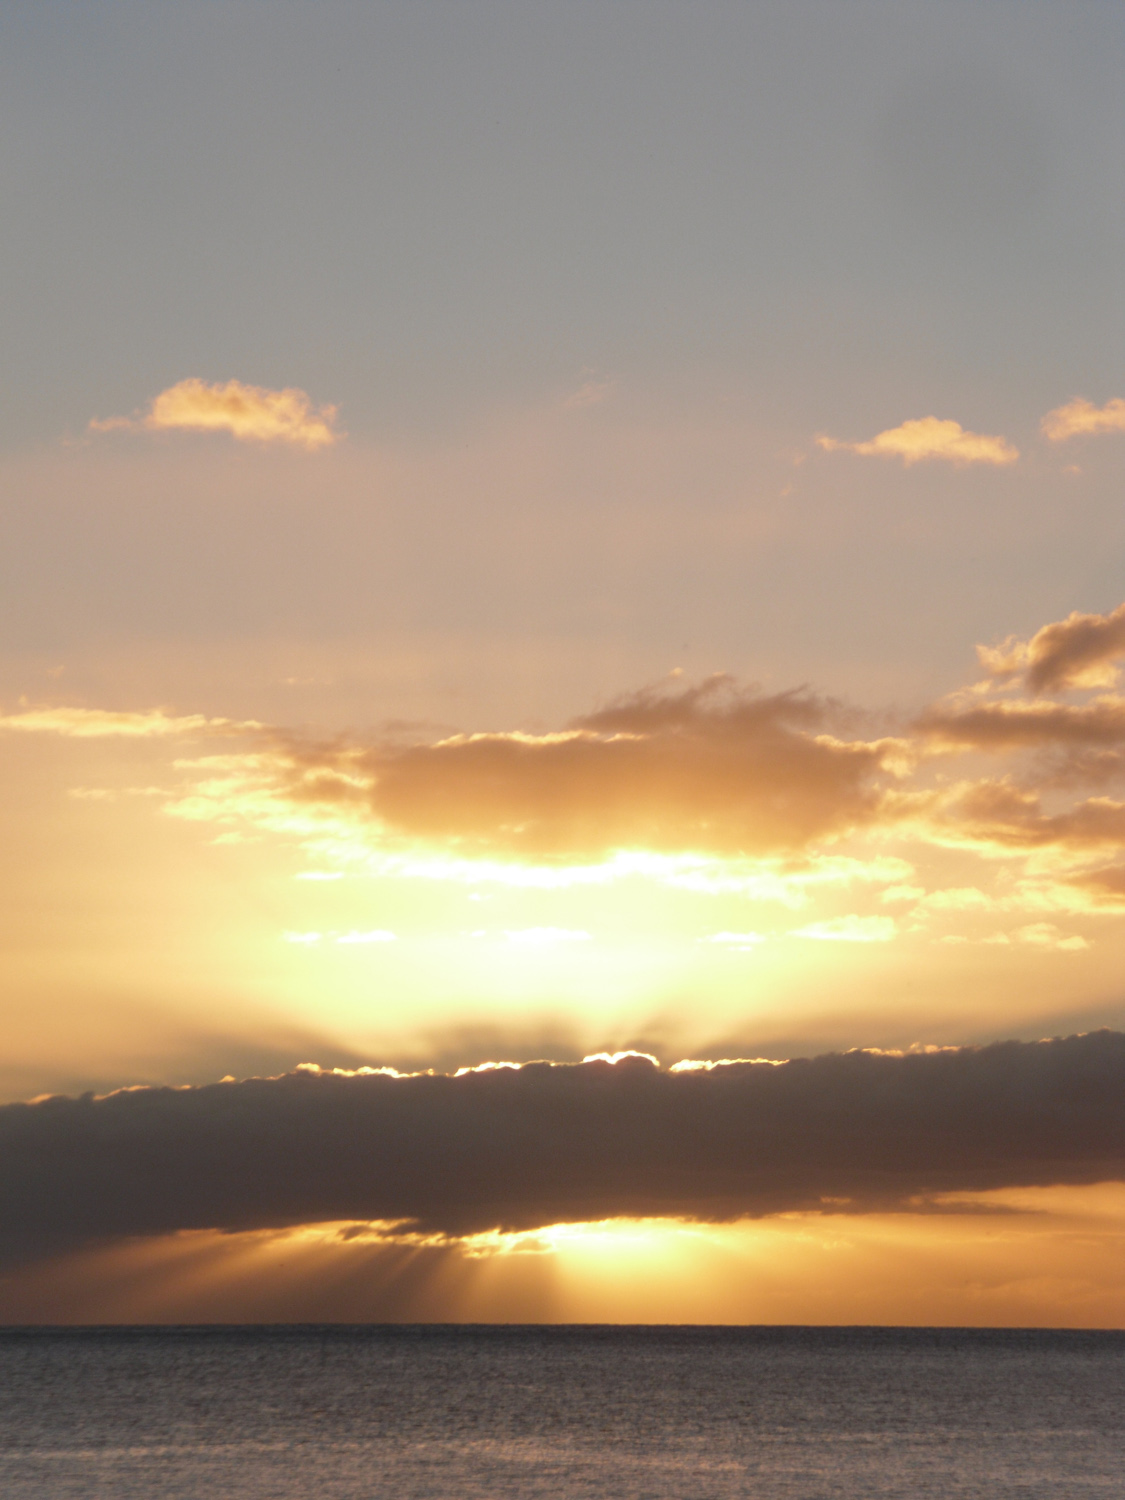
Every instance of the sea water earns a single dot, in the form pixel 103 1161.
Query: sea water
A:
pixel 353 1413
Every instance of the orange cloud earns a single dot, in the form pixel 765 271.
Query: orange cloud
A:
pixel 100 723
pixel 1020 725
pixel 1003 815
pixel 249 413
pixel 925 438
pixel 706 770
pixel 1078 652
pixel 707 787
pixel 1080 417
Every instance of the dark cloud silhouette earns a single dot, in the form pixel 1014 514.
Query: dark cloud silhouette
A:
pixel 707 769
pixel 520 1149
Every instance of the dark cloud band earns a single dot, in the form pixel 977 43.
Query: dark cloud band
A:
pixel 548 1143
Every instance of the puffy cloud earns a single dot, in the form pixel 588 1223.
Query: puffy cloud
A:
pixel 1077 652
pixel 250 413
pixel 930 438
pixel 518 1148
pixel 707 769
pixel 1080 417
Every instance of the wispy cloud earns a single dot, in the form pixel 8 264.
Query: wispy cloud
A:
pixel 100 723
pixel 925 438
pixel 250 413
pixel 1079 418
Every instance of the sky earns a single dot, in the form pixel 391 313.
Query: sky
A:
pixel 584 538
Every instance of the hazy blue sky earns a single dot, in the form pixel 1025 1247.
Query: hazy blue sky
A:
pixel 425 208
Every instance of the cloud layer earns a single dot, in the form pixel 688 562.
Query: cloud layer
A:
pixel 250 413
pixel 709 787
pixel 930 438
pixel 520 1148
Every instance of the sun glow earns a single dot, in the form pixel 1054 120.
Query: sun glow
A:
pixel 1043 1257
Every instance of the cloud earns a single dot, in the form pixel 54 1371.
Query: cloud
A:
pixel 706 787
pixel 1105 885
pixel 930 438
pixel 250 413
pixel 520 1148
pixel 1016 725
pixel 707 769
pixel 1081 417
pixel 1077 652
pixel 997 813
pixel 1040 935
pixel 100 723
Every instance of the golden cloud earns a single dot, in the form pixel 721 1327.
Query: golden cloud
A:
pixel 1080 417
pixel 100 723
pixel 1000 814
pixel 708 787
pixel 1015 725
pixel 925 438
pixel 1078 652
pixel 706 770
pixel 250 413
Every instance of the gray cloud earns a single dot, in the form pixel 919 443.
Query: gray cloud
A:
pixel 519 1149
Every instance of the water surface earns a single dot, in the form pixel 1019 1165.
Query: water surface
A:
pixel 354 1413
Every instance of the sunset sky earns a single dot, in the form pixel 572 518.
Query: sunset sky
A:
pixel 539 530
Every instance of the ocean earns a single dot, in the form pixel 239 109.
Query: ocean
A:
pixel 625 1413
